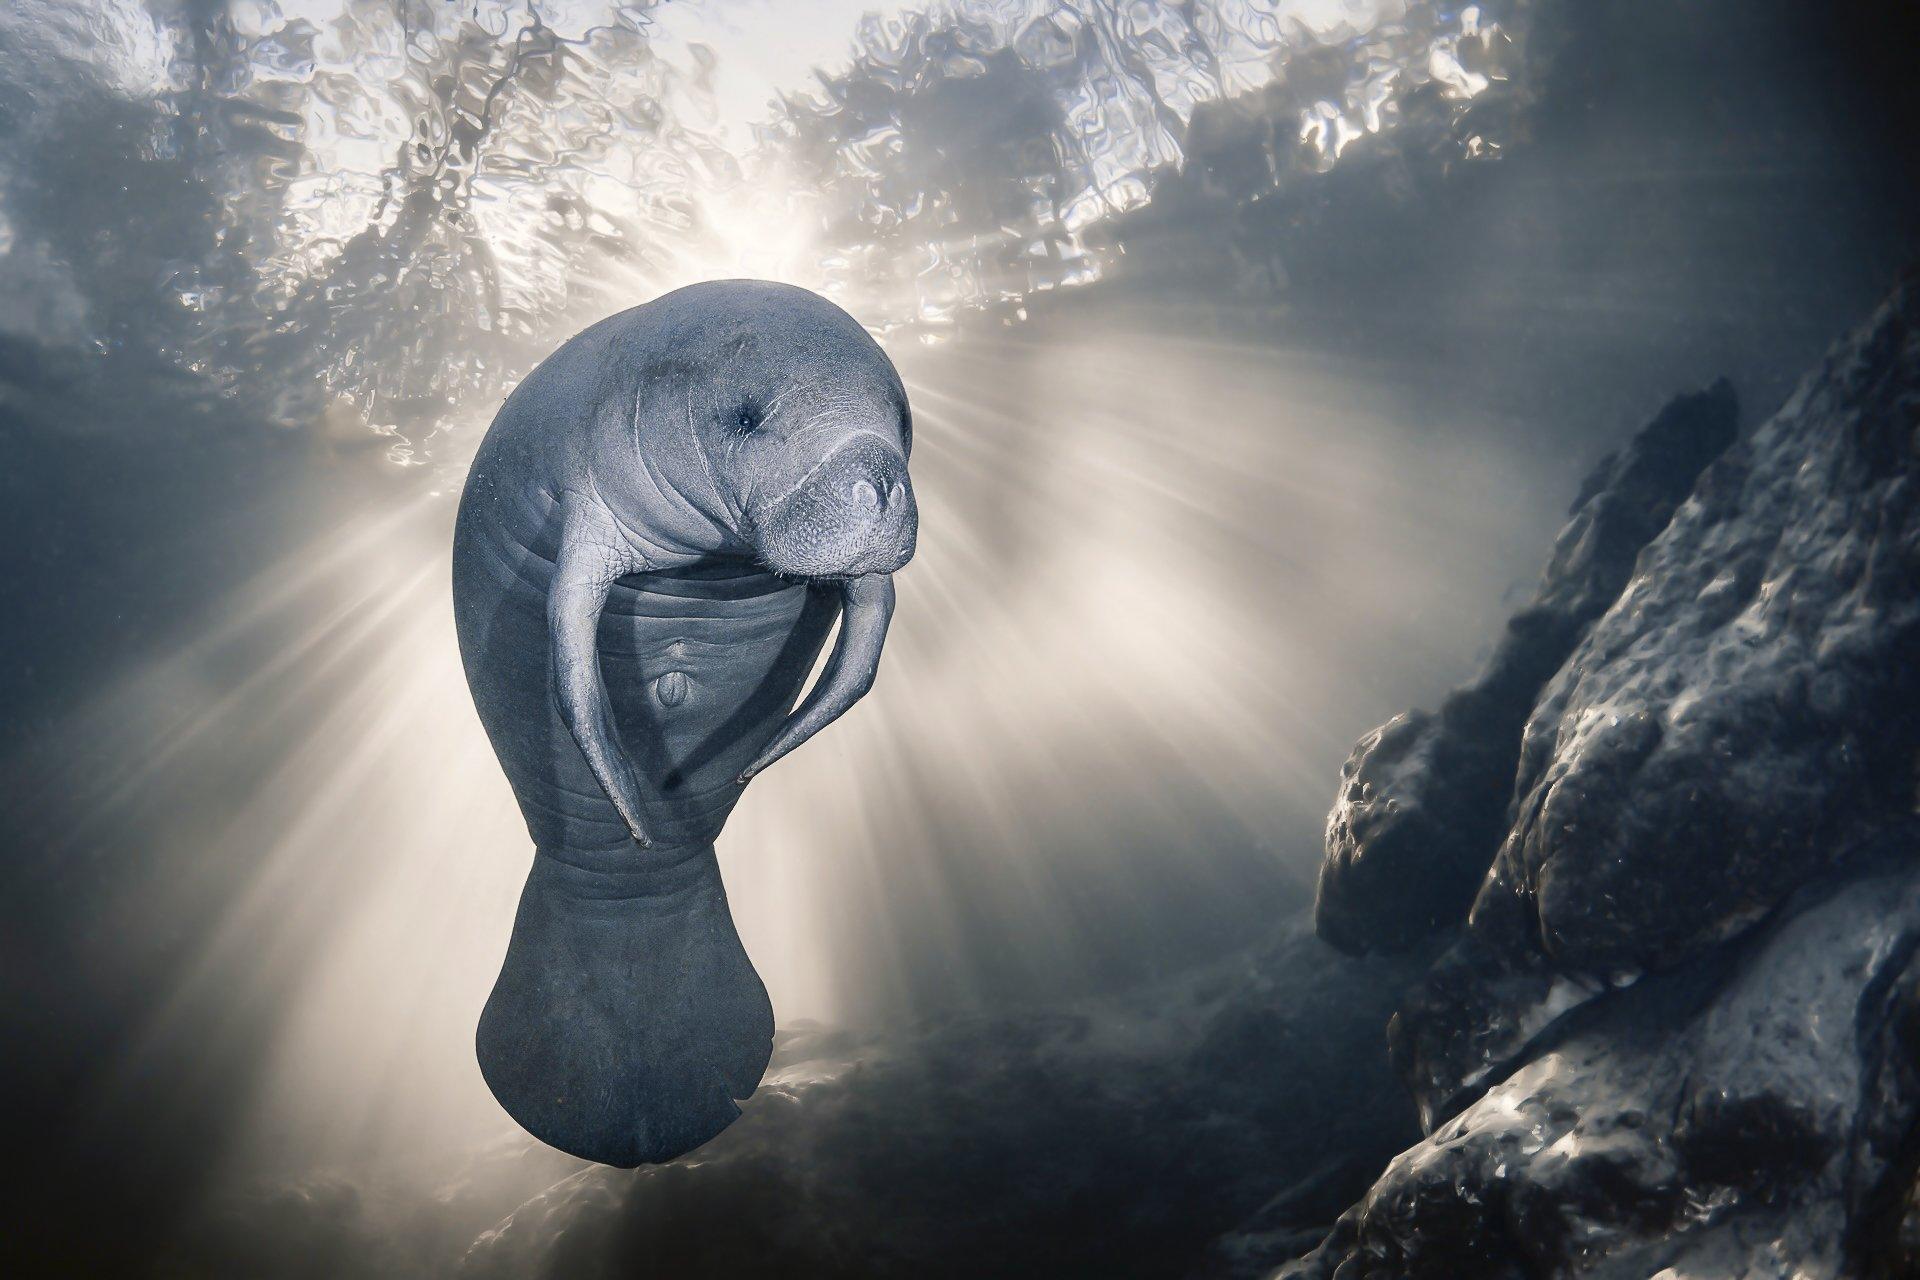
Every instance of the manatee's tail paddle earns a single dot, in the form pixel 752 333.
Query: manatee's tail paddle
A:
pixel 627 1018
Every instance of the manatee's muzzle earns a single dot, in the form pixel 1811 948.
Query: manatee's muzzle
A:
pixel 853 514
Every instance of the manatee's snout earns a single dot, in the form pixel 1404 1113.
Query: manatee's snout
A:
pixel 853 514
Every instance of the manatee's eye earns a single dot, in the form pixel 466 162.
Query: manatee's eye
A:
pixel 746 419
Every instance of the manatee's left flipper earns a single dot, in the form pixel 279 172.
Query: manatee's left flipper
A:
pixel 867 608
pixel 592 557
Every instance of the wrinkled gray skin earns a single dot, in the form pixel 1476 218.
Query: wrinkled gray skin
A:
pixel 658 531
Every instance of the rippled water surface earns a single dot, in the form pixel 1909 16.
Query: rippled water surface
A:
pixel 387 211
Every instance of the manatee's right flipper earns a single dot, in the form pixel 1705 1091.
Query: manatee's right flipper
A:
pixel 866 609
pixel 592 557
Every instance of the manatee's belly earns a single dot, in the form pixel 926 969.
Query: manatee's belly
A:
pixel 701 666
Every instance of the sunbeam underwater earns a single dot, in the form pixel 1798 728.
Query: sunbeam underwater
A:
pixel 1243 402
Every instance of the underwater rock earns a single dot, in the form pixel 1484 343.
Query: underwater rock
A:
pixel 1743 711
pixel 1706 1124
pixel 1678 1033
pixel 1748 701
pixel 1114 1136
pixel 1424 798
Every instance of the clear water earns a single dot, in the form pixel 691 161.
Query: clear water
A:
pixel 1254 346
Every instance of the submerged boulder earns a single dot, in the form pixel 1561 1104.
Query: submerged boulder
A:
pixel 1746 711
pixel 1423 799
pixel 1679 1033
pixel 1750 702
pixel 1113 1136
pixel 1720 1120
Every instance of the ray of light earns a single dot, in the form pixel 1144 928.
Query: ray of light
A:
pixel 1160 572
pixel 1154 580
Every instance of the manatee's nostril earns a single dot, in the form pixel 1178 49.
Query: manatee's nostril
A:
pixel 896 493
pixel 865 496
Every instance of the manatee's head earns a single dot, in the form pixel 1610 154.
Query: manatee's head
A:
pixel 805 429
pixel 827 492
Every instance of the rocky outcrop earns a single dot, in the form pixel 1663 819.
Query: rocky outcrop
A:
pixel 1741 714
pixel 1423 798
pixel 1748 701
pixel 1724 1120
pixel 1677 1034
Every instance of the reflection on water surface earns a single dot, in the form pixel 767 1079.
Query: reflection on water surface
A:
pixel 386 211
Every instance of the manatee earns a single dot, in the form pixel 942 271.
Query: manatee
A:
pixel 659 530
